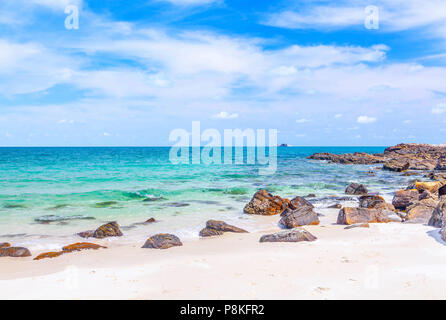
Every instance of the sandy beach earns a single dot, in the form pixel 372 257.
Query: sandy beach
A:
pixel 385 261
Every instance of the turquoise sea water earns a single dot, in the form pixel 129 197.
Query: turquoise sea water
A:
pixel 49 194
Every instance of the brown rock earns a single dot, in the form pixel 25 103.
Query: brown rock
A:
pixel 374 202
pixel 304 215
pixel 86 234
pixel 223 226
pixel 356 189
pixel 4 245
pixel 361 215
pixel 355 158
pixel 295 235
pixel 432 187
pixel 264 203
pixel 209 232
pixel 162 241
pixel 16 252
pixel 441 164
pixel 436 219
pixel 151 220
pixel 108 230
pixel 49 255
pixel 298 202
pixel 81 246
pixel 396 165
pixel 405 198
pixel 421 211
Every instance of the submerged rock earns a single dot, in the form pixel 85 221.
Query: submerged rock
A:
pixel 295 235
pixel 105 204
pixel 361 215
pixel 264 203
pixel 356 189
pixel 162 241
pixel 405 198
pixel 302 216
pixel 15 252
pixel 54 218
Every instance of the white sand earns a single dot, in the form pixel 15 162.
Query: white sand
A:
pixel 400 261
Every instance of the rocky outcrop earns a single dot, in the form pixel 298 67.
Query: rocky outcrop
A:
pixel 110 229
pixel 356 189
pixel 49 255
pixel 431 186
pixel 4 245
pixel 397 158
pixel 350 216
pixel 374 202
pixel 264 203
pixel 302 216
pixel 215 227
pixel 162 241
pixel 15 252
pixel 436 219
pixel 405 198
pixel 396 165
pixel 421 212
pixel 295 235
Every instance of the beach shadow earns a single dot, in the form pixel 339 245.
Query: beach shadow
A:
pixel 436 235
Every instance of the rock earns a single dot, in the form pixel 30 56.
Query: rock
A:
pixel 396 165
pixel 361 225
pixel 335 206
pixel 209 232
pixel 49 255
pixel 16 252
pixel 311 195
pixel 86 234
pixel 295 235
pixel 421 212
pixel 298 202
pixel 361 215
pixel 427 195
pixel 442 191
pixel 432 187
pixel 110 229
pixel 356 189
pixel 264 203
pixel 355 158
pixel 304 215
pixel 405 198
pixel 162 241
pixel 374 202
pixel 223 226
pixel 436 219
pixel 441 164
pixel 151 220
pixel 4 245
pixel 82 246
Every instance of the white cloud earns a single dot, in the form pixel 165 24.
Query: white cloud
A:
pixel 365 119
pixel 225 115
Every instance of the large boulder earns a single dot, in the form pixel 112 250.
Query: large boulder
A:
pixel 15 252
pixel 264 203
pixel 421 212
pixel 397 165
pixel 405 198
pixel 302 216
pixel 431 186
pixel 436 219
pixel 356 189
pixel 374 202
pixel 162 241
pixel 441 164
pixel 298 202
pixel 350 216
pixel 108 230
pixel 295 235
pixel 215 227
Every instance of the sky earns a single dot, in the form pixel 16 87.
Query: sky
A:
pixel 133 71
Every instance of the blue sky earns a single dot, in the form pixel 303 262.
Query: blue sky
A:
pixel 136 70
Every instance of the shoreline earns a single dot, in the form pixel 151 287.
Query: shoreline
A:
pixel 374 263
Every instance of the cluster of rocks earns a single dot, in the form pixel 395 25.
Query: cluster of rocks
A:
pixel 6 250
pixel 398 158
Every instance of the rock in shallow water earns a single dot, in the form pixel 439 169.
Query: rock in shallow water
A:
pixel 162 241
pixel 264 203
pixel 295 235
pixel 304 215
pixel 110 229
pixel 223 226
pixel 396 165
pixel 68 249
pixel 356 189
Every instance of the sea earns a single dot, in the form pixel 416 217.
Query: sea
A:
pixel 49 194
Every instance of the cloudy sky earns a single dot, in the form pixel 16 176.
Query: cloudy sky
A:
pixel 135 70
